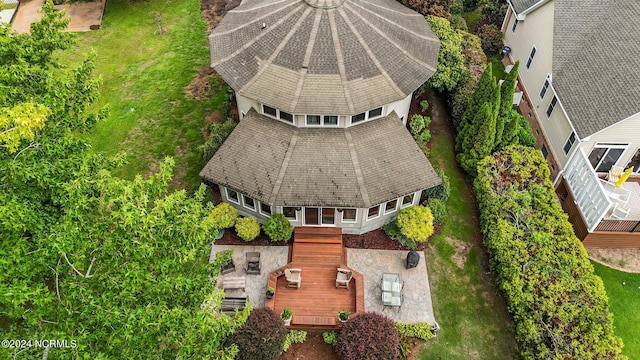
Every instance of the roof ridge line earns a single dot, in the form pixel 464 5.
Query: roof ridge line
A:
pixel 260 36
pixel 372 56
pixel 285 165
pixel 258 7
pixel 277 50
pixel 340 59
pixel 356 167
pixel 413 13
pixel 307 58
pixel 214 34
pixel 387 20
pixel 404 51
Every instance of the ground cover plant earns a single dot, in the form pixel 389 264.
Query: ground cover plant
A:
pixel 559 305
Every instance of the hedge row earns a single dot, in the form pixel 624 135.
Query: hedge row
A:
pixel 559 306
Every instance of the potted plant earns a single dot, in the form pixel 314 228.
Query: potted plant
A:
pixel 270 292
pixel 343 315
pixel 286 315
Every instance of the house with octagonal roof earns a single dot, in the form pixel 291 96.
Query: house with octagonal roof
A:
pixel 323 89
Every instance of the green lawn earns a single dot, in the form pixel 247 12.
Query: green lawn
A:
pixel 148 52
pixel 623 290
pixel 474 320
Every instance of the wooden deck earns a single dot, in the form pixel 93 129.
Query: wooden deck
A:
pixel 318 251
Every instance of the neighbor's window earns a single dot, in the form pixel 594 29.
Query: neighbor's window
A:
pixel 604 156
pixel 407 200
pixel 545 86
pixel 552 105
pixel 269 110
pixel 390 206
pixel 233 196
pixel 515 24
pixel 373 212
pixel 531 55
pixel 569 144
pixel 544 151
pixel 265 209
pixel 249 203
pixel 289 212
pixel 349 215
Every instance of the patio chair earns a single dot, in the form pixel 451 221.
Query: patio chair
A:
pixel 343 278
pixel 619 212
pixel 293 277
pixel 253 263
pixel 614 173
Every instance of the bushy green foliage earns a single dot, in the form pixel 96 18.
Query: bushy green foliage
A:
pixel 261 337
pixel 475 62
pixel 458 22
pixel 416 124
pixel 224 216
pixel 438 209
pixel 294 337
pixel 441 191
pixel 420 330
pixel 368 336
pixel 393 231
pixel 218 133
pixel 525 135
pixel 507 122
pixel 491 37
pixel 330 337
pixel 425 136
pixel 424 105
pixel 278 228
pixel 430 7
pixel 450 60
pixel 415 223
pixel 247 228
pixel 559 306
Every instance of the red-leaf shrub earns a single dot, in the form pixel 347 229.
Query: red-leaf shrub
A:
pixel 491 38
pixel 368 336
pixel 261 337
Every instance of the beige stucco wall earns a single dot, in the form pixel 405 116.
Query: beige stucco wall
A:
pixel 624 132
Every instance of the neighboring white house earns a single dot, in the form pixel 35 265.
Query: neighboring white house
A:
pixel 580 73
pixel 323 89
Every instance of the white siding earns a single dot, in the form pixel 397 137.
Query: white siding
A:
pixel 624 132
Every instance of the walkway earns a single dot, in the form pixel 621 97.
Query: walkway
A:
pixel 84 16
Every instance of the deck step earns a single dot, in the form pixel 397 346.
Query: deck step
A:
pixel 313 320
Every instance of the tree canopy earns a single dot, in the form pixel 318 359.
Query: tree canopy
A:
pixel 450 59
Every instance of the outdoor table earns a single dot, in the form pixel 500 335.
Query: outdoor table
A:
pixel 391 288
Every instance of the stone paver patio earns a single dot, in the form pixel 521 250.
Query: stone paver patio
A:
pixel 84 16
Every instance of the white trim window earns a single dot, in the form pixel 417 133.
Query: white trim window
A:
pixel 373 212
pixel 604 156
pixel 569 144
pixel 552 105
pixel 367 115
pixel 515 25
pixel 277 113
pixel 531 55
pixel 265 209
pixel 390 206
pixel 321 120
pixel 349 215
pixel 248 202
pixel 290 212
pixel 407 200
pixel 545 86
pixel 232 196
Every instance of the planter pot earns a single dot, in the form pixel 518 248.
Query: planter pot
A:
pixel 343 321
pixel 287 322
pixel 270 295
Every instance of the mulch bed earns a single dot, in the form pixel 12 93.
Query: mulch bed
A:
pixel 375 239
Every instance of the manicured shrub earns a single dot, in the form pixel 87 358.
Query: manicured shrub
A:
pixel 294 337
pixel 559 306
pixel 441 191
pixel 415 223
pixel 247 228
pixel 450 60
pixel 224 216
pixel 261 337
pixel 330 337
pixel 393 231
pixel 438 209
pixel 368 336
pixel 458 22
pixel 218 133
pixel 424 105
pixel 409 333
pixel 491 38
pixel 425 136
pixel 278 228
pixel 416 124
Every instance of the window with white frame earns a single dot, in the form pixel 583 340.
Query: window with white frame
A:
pixel 322 120
pixel 569 144
pixel 545 86
pixel 551 106
pixel 265 209
pixel 390 206
pixel 544 151
pixel 248 202
pixel 367 115
pixel 289 212
pixel 276 113
pixel 407 200
pixel 268 110
pixel 604 156
pixel 515 24
pixel 232 196
pixel 373 212
pixel 635 162
pixel 531 55
pixel 349 215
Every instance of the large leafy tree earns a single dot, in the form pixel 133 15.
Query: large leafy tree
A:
pixel 119 266
pixel 450 59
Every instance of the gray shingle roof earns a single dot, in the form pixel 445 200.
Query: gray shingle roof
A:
pixel 522 5
pixel 596 61
pixel 355 55
pixel 359 166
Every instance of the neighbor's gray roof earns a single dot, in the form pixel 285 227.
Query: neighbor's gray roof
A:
pixel 596 61
pixel 359 166
pixel 324 56
pixel 522 5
